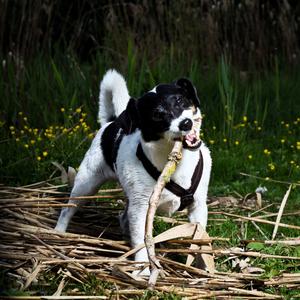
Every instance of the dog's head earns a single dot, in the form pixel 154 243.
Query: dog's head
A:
pixel 169 111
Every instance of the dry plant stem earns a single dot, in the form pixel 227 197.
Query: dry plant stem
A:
pixel 283 203
pixel 164 177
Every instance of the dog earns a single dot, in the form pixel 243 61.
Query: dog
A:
pixel 133 145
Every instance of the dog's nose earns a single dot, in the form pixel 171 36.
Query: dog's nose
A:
pixel 186 124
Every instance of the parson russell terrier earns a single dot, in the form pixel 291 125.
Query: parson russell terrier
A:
pixel 133 145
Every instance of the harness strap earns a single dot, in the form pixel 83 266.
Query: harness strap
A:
pixel 186 195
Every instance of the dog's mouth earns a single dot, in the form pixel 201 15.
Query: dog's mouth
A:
pixel 192 140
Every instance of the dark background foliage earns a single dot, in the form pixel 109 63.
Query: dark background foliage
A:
pixel 250 33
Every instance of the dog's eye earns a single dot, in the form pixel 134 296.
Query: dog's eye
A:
pixel 178 100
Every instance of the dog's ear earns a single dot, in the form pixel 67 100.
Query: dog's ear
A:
pixel 190 90
pixel 128 120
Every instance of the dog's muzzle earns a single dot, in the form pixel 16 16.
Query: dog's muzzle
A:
pixel 192 139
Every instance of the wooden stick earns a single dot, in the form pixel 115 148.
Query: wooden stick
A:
pixel 169 169
pixel 283 203
pixel 256 219
pixel 272 180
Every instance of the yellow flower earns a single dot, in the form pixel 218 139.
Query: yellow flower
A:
pixel 214 127
pixel 271 166
pixel 225 140
pixel 25 119
pixel 32 142
pixel 298 145
pixel 26 146
pixel 78 110
pixel 11 128
pixel 282 141
pixel 259 128
pixel 17 140
pixel 45 153
pixel 267 152
pixel 292 162
pixel 245 118
pixel 62 109
pixel 211 142
pixel 236 143
pixel 38 158
pixel 20 113
pixel 91 135
pixel 250 156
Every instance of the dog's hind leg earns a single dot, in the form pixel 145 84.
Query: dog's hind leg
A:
pixel 85 185
pixel 93 172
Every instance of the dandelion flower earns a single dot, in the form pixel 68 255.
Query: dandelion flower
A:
pixel 26 146
pixel 236 143
pixel 78 110
pixel 250 156
pixel 45 153
pixel 267 152
pixel 62 109
pixel 225 140
pixel 38 158
pixel 245 118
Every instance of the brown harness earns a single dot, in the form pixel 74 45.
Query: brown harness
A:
pixel 186 195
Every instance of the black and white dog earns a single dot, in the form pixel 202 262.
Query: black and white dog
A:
pixel 132 146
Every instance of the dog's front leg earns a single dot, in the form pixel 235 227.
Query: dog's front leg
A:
pixel 197 213
pixel 137 213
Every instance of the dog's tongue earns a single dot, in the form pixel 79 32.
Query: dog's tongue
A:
pixel 191 139
pixel 191 136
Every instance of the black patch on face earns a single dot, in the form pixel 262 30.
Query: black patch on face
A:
pixel 157 110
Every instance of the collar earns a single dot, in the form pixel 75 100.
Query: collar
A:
pixel 186 195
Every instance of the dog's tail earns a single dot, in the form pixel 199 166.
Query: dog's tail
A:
pixel 113 96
